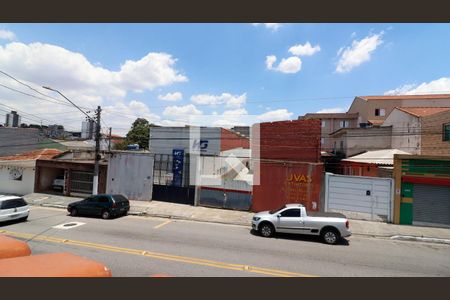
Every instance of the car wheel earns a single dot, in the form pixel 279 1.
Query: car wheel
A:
pixel 105 214
pixel 330 236
pixel 73 212
pixel 267 230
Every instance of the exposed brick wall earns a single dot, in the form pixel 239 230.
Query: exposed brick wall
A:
pixel 432 134
pixel 297 140
pixel 358 169
pixel 230 140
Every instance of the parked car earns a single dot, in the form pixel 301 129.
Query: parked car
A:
pixel 58 183
pixel 13 208
pixel 106 206
pixel 292 218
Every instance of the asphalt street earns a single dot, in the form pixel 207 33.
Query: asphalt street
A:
pixel 142 246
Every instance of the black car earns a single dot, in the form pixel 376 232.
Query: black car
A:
pixel 105 206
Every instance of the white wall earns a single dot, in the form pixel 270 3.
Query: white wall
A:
pixel 404 127
pixel 9 186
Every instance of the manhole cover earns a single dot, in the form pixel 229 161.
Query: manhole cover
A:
pixel 70 224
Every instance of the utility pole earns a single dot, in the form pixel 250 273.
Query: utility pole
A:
pixel 97 151
pixel 109 144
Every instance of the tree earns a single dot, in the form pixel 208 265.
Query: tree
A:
pixel 139 133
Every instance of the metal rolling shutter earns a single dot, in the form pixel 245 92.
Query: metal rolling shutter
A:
pixel 431 204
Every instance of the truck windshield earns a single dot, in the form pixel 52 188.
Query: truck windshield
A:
pixel 275 210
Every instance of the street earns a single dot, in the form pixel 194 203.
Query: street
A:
pixel 143 246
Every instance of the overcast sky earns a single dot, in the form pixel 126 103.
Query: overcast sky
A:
pixel 168 72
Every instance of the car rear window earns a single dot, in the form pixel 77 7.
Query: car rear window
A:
pixel 120 198
pixel 13 203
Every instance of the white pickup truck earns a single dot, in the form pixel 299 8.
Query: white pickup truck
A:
pixel 292 218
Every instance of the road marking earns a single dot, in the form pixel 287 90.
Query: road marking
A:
pixel 158 255
pixel 163 224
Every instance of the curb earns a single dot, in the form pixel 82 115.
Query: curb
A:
pixel 420 239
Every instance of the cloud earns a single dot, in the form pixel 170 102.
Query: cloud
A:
pixel 275 115
pixel 177 96
pixel 332 110
pixel 358 53
pixel 289 65
pixel 177 111
pixel 225 98
pixel 7 35
pixel 72 73
pixel 304 50
pixel 438 86
pixel 271 26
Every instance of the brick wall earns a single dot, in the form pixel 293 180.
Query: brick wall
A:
pixel 432 134
pixel 230 140
pixel 297 140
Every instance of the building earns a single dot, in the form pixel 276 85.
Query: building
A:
pixel 287 167
pixel 77 169
pixel 352 141
pixel 177 151
pixel 87 129
pixel 378 163
pixel 13 119
pixel 17 171
pixel 422 190
pixel 331 122
pixel 20 140
pixel 373 110
pixel 243 130
pixel 420 130
pixel 55 131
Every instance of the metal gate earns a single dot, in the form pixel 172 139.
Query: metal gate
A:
pixel 82 182
pixel 431 205
pixel 365 196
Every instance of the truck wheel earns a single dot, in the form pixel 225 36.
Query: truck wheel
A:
pixel 267 230
pixel 330 236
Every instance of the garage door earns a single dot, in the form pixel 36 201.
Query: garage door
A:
pixel 369 196
pixel 431 204
pixel 82 182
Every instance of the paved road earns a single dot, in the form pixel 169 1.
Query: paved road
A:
pixel 139 246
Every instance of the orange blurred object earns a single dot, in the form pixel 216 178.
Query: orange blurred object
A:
pixel 10 247
pixel 52 265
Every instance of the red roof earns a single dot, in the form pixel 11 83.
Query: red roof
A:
pixel 407 97
pixel 36 154
pixel 423 111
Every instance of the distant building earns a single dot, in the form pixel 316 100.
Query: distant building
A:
pixel 243 130
pixel 87 129
pixel 13 119
pixel 55 131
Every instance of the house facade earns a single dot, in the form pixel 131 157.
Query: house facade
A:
pixel 420 130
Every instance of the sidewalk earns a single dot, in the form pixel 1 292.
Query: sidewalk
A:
pixel 214 215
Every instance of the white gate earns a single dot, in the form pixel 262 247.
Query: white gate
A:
pixel 365 197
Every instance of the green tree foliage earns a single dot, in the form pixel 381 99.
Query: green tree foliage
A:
pixel 139 133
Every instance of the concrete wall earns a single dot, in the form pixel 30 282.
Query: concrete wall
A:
pixel 364 139
pixel 131 174
pixel 404 127
pixel 18 140
pixel 432 134
pixel 17 187
pixel 164 139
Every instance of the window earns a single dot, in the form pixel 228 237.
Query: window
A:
pixel 380 112
pixel 103 200
pixel 446 132
pixel 322 140
pixel 344 124
pixel 275 210
pixel 13 203
pixel 291 213
pixel 324 123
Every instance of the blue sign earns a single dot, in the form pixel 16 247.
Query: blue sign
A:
pixel 177 167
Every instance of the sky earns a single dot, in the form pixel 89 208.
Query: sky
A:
pixel 172 73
